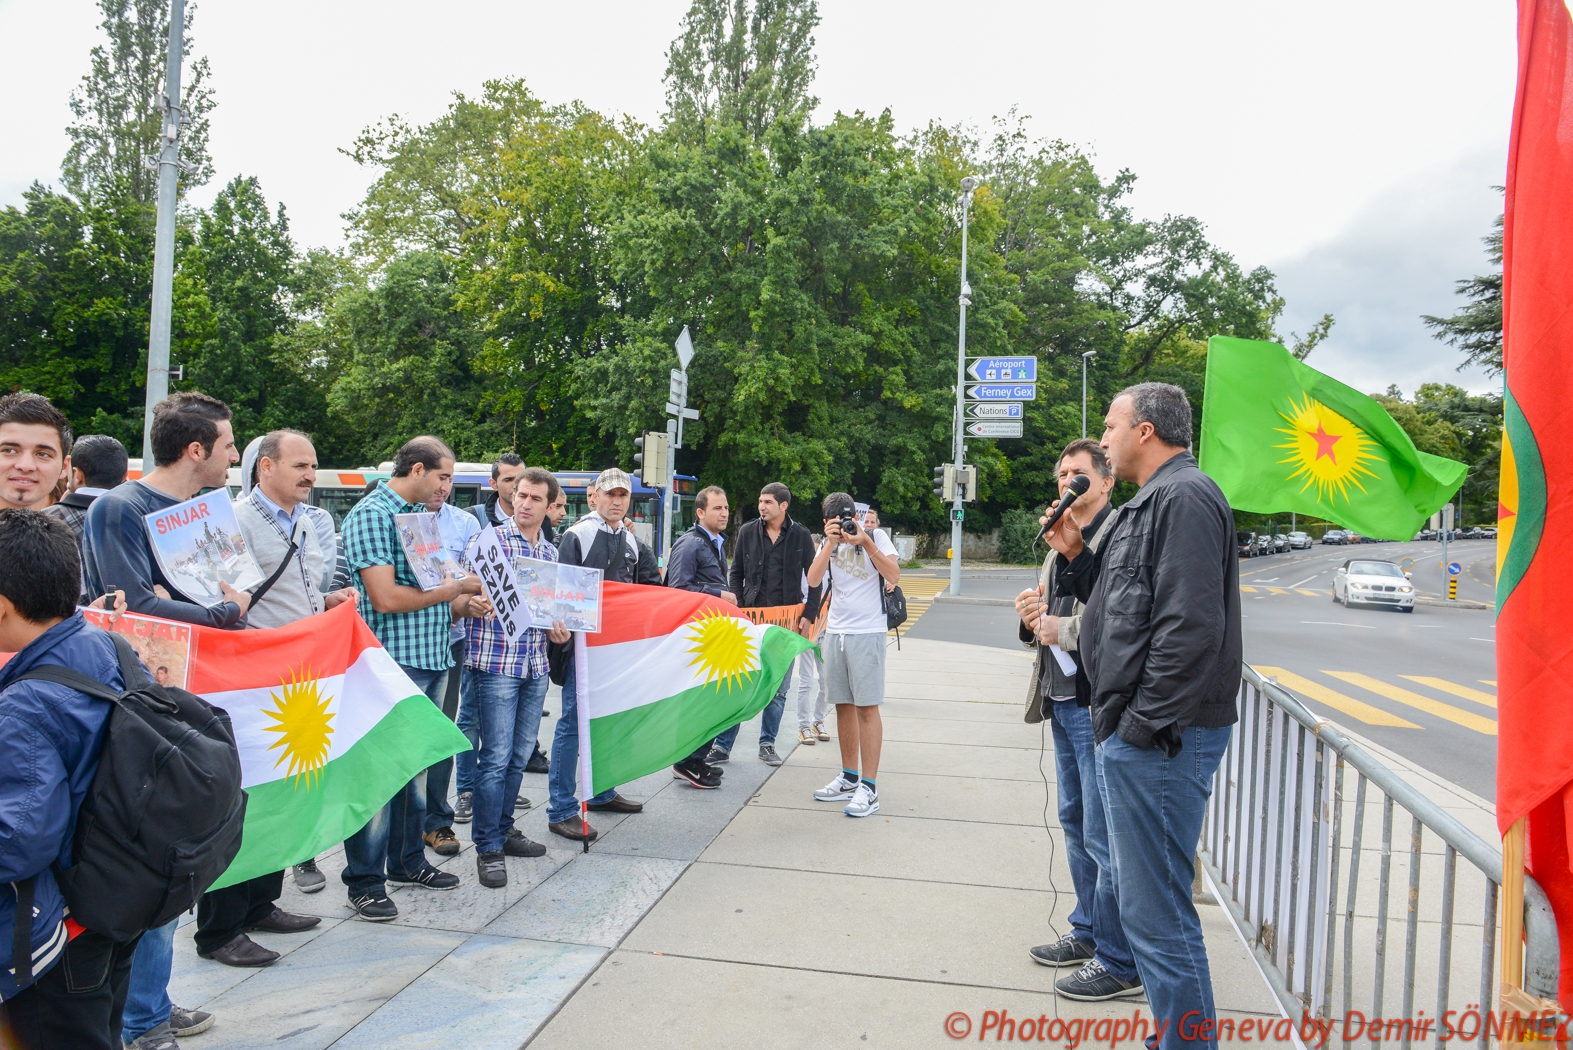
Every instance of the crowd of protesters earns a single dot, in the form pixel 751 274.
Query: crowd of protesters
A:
pixel 72 533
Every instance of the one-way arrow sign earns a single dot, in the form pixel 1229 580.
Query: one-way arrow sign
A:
pixel 994 410
pixel 1002 392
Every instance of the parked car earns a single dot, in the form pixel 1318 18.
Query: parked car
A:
pixel 1264 544
pixel 1488 533
pixel 1373 583
pixel 1353 537
pixel 1426 534
pixel 1335 537
pixel 1474 532
pixel 1280 543
pixel 1245 543
pixel 1299 541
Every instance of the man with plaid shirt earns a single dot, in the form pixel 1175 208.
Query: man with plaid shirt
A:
pixel 509 681
pixel 412 626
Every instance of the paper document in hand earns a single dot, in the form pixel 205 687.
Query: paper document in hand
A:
pixel 164 646
pixel 1061 657
pixel 198 543
pixel 555 592
pixel 429 558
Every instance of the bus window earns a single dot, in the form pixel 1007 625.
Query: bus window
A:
pixel 686 515
pixel 336 502
pixel 465 496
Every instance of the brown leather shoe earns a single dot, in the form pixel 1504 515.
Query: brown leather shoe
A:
pixel 618 804
pixel 242 951
pixel 281 921
pixel 442 842
pixel 573 828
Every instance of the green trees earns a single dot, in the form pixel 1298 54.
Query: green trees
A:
pixel 1476 328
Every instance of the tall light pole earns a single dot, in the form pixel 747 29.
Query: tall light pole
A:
pixel 968 184
pixel 1089 353
pixel 164 231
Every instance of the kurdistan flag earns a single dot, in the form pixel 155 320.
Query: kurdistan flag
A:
pixel 1277 435
pixel 329 729
pixel 667 671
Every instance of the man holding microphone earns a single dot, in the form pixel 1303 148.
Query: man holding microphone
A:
pixel 1160 641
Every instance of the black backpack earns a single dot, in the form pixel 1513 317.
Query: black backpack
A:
pixel 163 818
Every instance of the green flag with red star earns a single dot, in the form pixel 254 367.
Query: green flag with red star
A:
pixel 1277 436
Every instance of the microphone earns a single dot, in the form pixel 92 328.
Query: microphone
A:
pixel 1075 490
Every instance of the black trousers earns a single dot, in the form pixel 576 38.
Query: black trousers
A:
pixel 78 1002
pixel 221 914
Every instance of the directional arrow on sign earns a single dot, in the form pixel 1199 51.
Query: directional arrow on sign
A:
pixel 1002 392
pixel 995 428
pixel 994 410
pixel 1004 369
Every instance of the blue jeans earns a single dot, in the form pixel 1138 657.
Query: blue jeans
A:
pixel 769 725
pixel 1155 806
pixel 509 712
pixel 562 801
pixel 1096 917
pixel 470 725
pixel 147 996
pixel 393 836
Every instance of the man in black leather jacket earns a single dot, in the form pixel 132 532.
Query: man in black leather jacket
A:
pixel 1161 640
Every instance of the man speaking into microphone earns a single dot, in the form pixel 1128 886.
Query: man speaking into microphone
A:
pixel 1160 643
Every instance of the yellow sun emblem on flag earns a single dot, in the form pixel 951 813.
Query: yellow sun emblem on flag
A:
pixel 722 649
pixel 301 718
pixel 1327 450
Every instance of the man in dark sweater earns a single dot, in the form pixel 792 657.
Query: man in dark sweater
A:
pixel 770 567
pixel 601 540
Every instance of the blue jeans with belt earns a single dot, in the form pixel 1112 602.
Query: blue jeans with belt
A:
pixel 563 803
pixel 508 711
pixel 393 835
pixel 1155 806
pixel 1096 917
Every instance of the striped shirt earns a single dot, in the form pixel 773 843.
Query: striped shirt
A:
pixel 416 639
pixel 489 648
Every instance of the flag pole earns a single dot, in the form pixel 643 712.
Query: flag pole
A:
pixel 581 675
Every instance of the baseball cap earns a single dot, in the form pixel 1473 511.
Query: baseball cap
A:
pixel 612 478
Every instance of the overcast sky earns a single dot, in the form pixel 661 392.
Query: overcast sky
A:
pixel 1351 147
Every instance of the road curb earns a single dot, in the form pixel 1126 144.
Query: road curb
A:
pixel 1459 603
pixel 962 599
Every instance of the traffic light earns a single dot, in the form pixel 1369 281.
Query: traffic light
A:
pixel 945 482
pixel 969 483
pixel 651 460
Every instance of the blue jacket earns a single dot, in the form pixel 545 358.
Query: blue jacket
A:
pixel 50 739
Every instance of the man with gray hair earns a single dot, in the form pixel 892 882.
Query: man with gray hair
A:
pixel 1160 638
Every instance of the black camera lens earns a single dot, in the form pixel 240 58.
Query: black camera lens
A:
pixel 849 525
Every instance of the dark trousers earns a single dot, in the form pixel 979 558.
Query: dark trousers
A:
pixel 224 914
pixel 78 1002
pixel 439 814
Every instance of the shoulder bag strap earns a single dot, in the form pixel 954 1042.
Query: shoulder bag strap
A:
pixel 266 585
pixel 22 943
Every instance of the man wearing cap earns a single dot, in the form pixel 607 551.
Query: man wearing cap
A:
pixel 601 540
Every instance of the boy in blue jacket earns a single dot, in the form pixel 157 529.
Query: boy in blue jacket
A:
pixel 50 740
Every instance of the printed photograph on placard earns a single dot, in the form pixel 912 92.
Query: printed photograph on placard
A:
pixel 163 645
pixel 555 592
pixel 198 543
pixel 429 558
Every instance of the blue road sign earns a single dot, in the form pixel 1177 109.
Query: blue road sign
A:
pixel 1002 392
pixel 994 410
pixel 1453 568
pixel 1004 369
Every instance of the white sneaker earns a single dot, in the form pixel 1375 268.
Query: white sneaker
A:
pixel 806 736
pixel 864 802
pixel 838 790
pixel 820 731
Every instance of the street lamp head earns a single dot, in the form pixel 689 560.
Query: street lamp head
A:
pixel 1089 353
pixel 969 184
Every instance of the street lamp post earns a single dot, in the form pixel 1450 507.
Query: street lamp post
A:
pixel 1084 357
pixel 164 232
pixel 968 184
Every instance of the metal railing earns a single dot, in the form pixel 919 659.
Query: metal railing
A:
pixel 1288 841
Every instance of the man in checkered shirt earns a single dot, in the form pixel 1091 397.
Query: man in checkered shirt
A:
pixel 412 626
pixel 509 681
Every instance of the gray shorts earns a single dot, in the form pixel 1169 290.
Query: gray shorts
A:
pixel 855 668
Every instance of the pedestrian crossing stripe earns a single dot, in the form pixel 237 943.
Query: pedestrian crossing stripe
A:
pixel 1457 690
pixel 1467 719
pixel 1492 682
pixel 1277 590
pixel 1373 716
pixel 1248 590
pixel 921 592
pixel 1309 594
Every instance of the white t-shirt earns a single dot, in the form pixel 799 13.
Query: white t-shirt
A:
pixel 854 588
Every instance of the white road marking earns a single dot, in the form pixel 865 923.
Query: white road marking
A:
pixel 1335 623
pixel 1482 639
pixel 1308 579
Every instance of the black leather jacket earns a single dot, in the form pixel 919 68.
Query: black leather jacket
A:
pixel 1160 637
pixel 765 573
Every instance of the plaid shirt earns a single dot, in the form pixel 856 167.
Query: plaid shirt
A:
pixel 489 649
pixel 416 639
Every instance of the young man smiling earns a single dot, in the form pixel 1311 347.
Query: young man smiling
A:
pixel 35 448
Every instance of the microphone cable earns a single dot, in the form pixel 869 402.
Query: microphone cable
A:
pixel 1043 746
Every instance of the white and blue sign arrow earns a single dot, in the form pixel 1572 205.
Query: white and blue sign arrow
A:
pixel 1002 392
pixel 1004 369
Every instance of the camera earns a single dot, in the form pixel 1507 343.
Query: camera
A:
pixel 849 524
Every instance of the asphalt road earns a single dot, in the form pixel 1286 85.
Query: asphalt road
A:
pixel 1422 684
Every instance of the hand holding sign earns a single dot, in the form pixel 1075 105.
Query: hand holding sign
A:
pixel 500 584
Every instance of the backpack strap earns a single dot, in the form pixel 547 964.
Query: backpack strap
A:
pixel 22 942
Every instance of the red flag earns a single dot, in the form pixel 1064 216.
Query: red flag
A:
pixel 1535 544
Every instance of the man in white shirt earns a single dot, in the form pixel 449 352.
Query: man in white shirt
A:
pixel 860 565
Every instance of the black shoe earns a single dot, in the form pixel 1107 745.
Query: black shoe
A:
pixel 1092 983
pixel 241 950
pixel 281 921
pixel 697 773
pixel 308 879
pixel 520 802
pixel 492 870
pixel 430 877
pixel 538 763
pixel 183 1022
pixel 618 804
pixel 1069 950
pixel 374 907
pixel 516 845
pixel 717 756
pixel 464 807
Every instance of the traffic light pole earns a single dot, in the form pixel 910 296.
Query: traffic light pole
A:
pixel 960 448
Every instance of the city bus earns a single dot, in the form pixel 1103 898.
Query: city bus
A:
pixel 337 491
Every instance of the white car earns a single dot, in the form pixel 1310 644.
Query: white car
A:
pixel 1375 583
pixel 1299 541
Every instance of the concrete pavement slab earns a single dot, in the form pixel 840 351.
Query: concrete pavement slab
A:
pixel 967 760
pixel 593 900
pixel 969 799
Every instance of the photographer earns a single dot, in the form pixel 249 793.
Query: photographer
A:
pixel 859 564
pixel 1096 943
pixel 1161 642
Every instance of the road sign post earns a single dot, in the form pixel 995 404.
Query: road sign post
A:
pixel 1447 530
pixel 677 407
